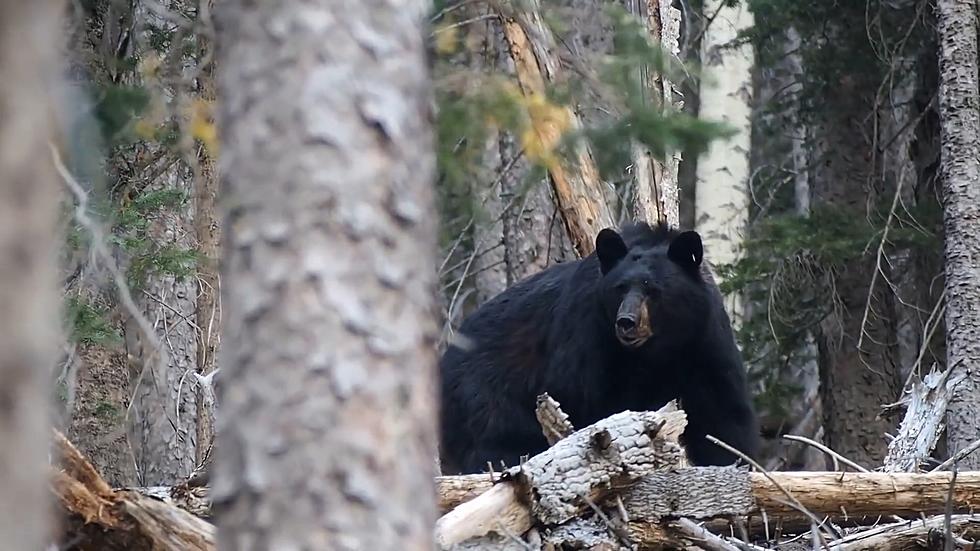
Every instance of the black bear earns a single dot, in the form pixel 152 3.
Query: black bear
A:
pixel 632 326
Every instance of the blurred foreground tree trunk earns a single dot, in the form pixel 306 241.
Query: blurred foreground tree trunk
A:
pixel 29 68
pixel 327 420
pixel 959 106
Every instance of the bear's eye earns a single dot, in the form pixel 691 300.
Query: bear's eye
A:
pixel 622 287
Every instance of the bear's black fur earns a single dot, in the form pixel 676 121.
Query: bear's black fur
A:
pixel 631 326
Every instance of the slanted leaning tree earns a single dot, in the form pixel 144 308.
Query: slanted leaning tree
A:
pixel 327 420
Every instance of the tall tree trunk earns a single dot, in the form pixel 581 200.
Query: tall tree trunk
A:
pixel 959 104
pixel 29 66
pixel 327 420
pixel 779 152
pixel 521 230
pixel 163 416
pixel 655 182
pixel 857 373
pixel 722 189
pixel 208 235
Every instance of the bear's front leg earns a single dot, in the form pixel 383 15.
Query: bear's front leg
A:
pixel 721 407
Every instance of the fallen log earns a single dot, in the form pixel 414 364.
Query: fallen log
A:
pixel 563 481
pixel 714 494
pixel 912 535
pixel 710 492
pixel 96 517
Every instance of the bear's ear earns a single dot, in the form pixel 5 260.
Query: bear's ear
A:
pixel 610 249
pixel 686 250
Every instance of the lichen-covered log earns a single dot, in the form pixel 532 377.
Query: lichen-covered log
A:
pixel 96 517
pixel 561 482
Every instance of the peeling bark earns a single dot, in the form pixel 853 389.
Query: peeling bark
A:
pixel 959 110
pixel 29 77
pixel 521 231
pixel 557 485
pixel 578 190
pixel 98 518
pixel 922 425
pixel 655 182
pixel 328 351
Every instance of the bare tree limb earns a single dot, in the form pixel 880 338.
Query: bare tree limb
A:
pixel 923 422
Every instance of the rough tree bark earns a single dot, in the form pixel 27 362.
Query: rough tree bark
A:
pixel 163 417
pixel 722 189
pixel 959 109
pixel 328 352
pixel 29 66
pixel 577 189
pixel 857 373
pixel 654 181
pixel 521 231
pixel 208 235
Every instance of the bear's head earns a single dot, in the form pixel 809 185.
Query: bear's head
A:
pixel 651 289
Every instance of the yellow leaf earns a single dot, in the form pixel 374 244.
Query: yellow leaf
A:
pixel 149 65
pixel 144 128
pixel 447 35
pixel 549 122
pixel 202 126
pixel 208 134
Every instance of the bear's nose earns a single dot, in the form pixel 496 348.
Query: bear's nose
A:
pixel 625 323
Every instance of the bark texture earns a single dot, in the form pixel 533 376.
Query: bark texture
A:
pixel 29 68
pixel 858 374
pixel 707 492
pixel 163 417
pixel 558 484
pixel 722 189
pixel 959 109
pixel 654 181
pixel 522 230
pixel 578 191
pixel 208 235
pixel 327 395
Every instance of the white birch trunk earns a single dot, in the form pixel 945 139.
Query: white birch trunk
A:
pixel 722 198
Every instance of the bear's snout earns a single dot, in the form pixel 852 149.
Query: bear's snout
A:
pixel 633 321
